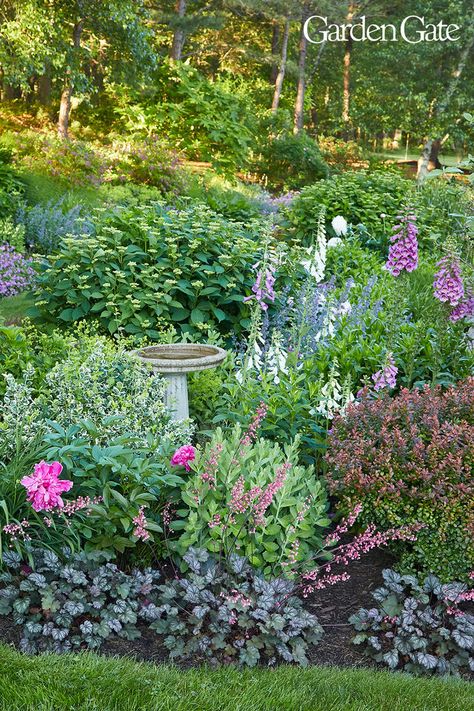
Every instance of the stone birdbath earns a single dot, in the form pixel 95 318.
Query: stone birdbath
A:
pixel 174 361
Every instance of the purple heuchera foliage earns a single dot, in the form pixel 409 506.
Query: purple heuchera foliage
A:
pixel 448 284
pixel 16 271
pixel 403 252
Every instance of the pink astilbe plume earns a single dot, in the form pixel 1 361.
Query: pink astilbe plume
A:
pixel 251 434
pixel 448 284
pixel 44 488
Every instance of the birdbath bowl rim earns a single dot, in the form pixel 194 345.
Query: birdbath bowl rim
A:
pixel 181 357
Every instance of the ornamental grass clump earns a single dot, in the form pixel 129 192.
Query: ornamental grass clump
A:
pixel 418 627
pixel 410 459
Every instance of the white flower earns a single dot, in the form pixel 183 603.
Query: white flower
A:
pixel 334 242
pixel 339 225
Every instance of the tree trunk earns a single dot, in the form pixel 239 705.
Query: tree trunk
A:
pixel 275 45
pixel 432 146
pixel 66 95
pixel 346 77
pixel 11 92
pixel 44 87
pixel 281 72
pixel 179 36
pixel 299 104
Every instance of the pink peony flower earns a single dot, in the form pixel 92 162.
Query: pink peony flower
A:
pixel 183 456
pixel 44 488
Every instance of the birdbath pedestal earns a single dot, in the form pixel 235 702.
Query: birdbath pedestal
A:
pixel 174 361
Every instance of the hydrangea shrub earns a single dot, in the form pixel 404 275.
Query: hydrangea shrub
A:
pixel 410 459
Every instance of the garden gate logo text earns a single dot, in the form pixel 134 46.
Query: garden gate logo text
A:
pixel 413 29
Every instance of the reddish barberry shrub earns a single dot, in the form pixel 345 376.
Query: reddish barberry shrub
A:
pixel 411 459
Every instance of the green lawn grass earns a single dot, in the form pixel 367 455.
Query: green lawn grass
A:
pixel 90 683
pixel 14 308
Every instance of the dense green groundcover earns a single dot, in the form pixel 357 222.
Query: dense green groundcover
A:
pixel 90 683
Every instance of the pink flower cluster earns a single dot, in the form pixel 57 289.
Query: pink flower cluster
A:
pixel 251 434
pixel 344 526
pixel 257 500
pixel 209 475
pixel 237 598
pixel 82 502
pixel 448 284
pixel 403 252
pixel 266 497
pixel 387 377
pixel 44 488
pixel 348 552
pixel 264 287
pixel 141 523
pixel 17 531
pixel 183 456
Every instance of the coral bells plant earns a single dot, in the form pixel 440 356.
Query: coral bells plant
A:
pixel 410 459
pixel 403 251
pixel 418 626
pixel 250 496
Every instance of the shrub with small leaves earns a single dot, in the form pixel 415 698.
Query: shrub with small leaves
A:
pixel 410 458
pixel 418 627
pixel 225 612
pixel 77 605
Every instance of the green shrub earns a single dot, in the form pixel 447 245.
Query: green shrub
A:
pixel 106 386
pixel 360 197
pixel 339 154
pixel 291 161
pixel 219 508
pixel 149 267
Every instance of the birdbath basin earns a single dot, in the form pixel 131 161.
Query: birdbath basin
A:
pixel 173 361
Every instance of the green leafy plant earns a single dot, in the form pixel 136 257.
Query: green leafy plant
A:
pixel 360 197
pixel 417 626
pixel 290 162
pixel 250 495
pixel 153 266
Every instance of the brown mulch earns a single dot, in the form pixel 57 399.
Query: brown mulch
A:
pixel 333 606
